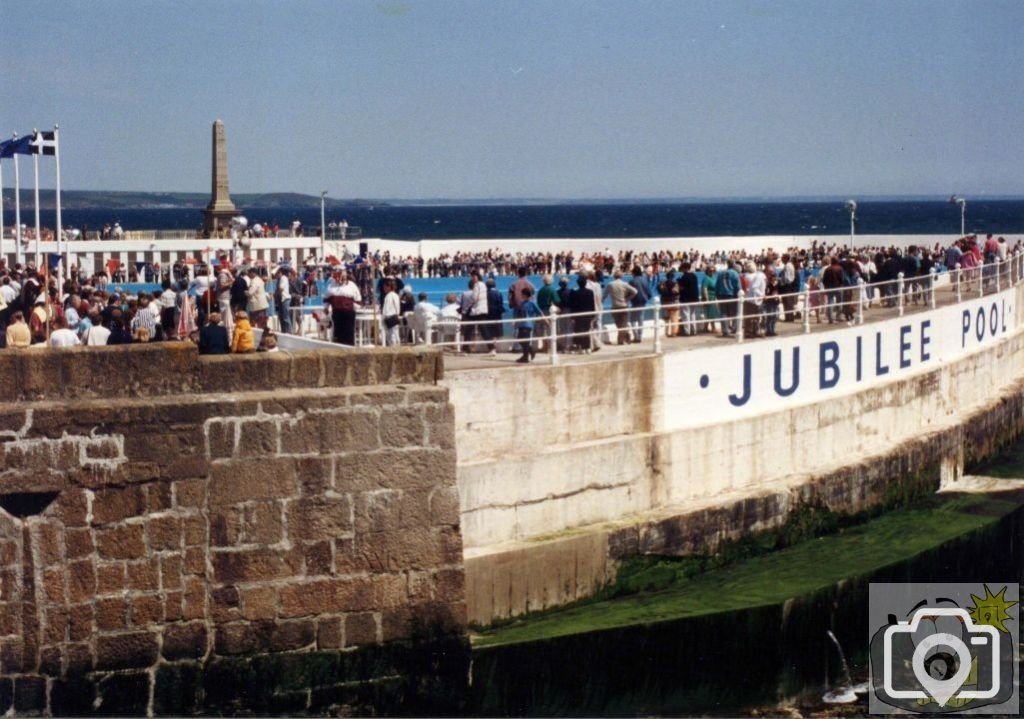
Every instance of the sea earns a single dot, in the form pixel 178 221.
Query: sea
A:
pixel 592 220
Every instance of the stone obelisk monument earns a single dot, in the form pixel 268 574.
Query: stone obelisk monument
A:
pixel 221 209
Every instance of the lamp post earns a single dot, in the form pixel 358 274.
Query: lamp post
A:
pixel 323 225
pixel 851 207
pixel 955 199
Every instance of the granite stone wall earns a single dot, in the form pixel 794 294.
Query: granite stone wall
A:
pixel 260 534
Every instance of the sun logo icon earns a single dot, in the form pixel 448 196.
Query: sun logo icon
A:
pixel 991 609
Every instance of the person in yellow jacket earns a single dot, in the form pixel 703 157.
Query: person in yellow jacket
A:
pixel 242 338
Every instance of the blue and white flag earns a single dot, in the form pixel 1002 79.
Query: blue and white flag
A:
pixel 44 143
pixel 17 146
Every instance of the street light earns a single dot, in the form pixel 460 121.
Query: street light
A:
pixel 851 207
pixel 957 200
pixel 323 225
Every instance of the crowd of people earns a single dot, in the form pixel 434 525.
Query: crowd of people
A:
pixel 699 292
pixel 218 307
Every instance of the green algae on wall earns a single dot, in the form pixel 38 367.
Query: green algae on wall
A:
pixel 743 635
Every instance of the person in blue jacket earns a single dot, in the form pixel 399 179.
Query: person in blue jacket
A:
pixel 526 312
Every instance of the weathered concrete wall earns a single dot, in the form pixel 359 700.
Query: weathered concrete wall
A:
pixel 548 527
pixel 180 538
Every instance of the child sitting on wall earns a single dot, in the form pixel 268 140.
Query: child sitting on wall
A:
pixel 242 337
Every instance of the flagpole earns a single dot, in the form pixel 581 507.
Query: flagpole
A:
pixel 2 255
pixel 17 211
pixel 60 227
pixel 35 165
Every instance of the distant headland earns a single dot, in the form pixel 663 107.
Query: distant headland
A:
pixel 112 199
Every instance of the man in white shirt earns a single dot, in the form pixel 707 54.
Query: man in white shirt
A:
pixel 423 314
pixel 62 336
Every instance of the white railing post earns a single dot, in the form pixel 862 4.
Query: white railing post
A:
pixel 553 336
pixel 999 271
pixel 932 276
pixel 861 296
pixel 959 283
pixel 739 315
pixel 428 329
pixel 981 279
pixel 807 310
pixel 657 324
pixel 899 293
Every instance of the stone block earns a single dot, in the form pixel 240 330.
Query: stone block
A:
pixel 173 606
pixel 259 602
pixel 50 661
pixel 121 542
pixel 224 603
pixel 195 531
pixel 443 503
pixel 254 480
pixel 319 518
pixel 176 690
pixel 301 436
pixel 194 561
pixel 189 493
pixel 225 528
pixel 164 533
pixel 350 431
pixel 123 694
pixel 170 572
pixel 361 629
pixel 147 610
pixel 439 421
pixel 238 638
pixel 318 558
pixel 220 439
pixel 401 427
pixel 74 696
pixel 305 369
pixel 53 586
pixel 264 522
pixel 126 651
pixel 48 541
pixel 110 577
pixel 30 695
pixel 71 507
pixel 144 575
pixel 398 469
pixel 316 474
pixel 258 438
pixel 255 565
pixel 330 633
pixel 56 624
pixel 185 641
pixel 158 496
pixel 78 543
pixel 288 636
pixel 194 605
pixel 111 614
pixel 80 622
pixel 81 577
pixel 184 467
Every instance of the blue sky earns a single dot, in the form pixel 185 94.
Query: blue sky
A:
pixel 554 99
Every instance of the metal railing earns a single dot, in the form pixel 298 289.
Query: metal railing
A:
pixel 739 317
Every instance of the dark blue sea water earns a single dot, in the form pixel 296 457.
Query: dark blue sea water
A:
pixel 598 220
